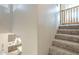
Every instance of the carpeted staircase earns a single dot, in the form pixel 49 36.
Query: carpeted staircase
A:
pixel 66 41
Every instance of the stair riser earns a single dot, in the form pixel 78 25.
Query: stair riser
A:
pixel 68 38
pixel 73 48
pixel 69 27
pixel 54 52
pixel 58 51
pixel 71 32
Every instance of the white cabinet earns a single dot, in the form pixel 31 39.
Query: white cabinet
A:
pixel 10 43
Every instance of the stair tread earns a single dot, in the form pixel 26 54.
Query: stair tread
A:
pixel 68 31
pixel 72 46
pixel 59 51
pixel 69 27
pixel 72 38
pixel 68 35
pixel 69 42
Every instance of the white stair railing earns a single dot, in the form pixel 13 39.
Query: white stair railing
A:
pixel 69 16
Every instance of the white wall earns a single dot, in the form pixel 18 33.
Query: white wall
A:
pixel 36 24
pixel 25 25
pixel 47 22
pixel 5 21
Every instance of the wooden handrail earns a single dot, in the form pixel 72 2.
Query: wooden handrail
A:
pixel 69 8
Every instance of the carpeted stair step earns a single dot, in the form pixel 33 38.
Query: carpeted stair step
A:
pixel 70 46
pixel 69 27
pixel 59 51
pixel 68 31
pixel 73 38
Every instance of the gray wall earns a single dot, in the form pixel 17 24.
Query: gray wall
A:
pixel 35 24
pixel 5 21
pixel 25 25
pixel 47 22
